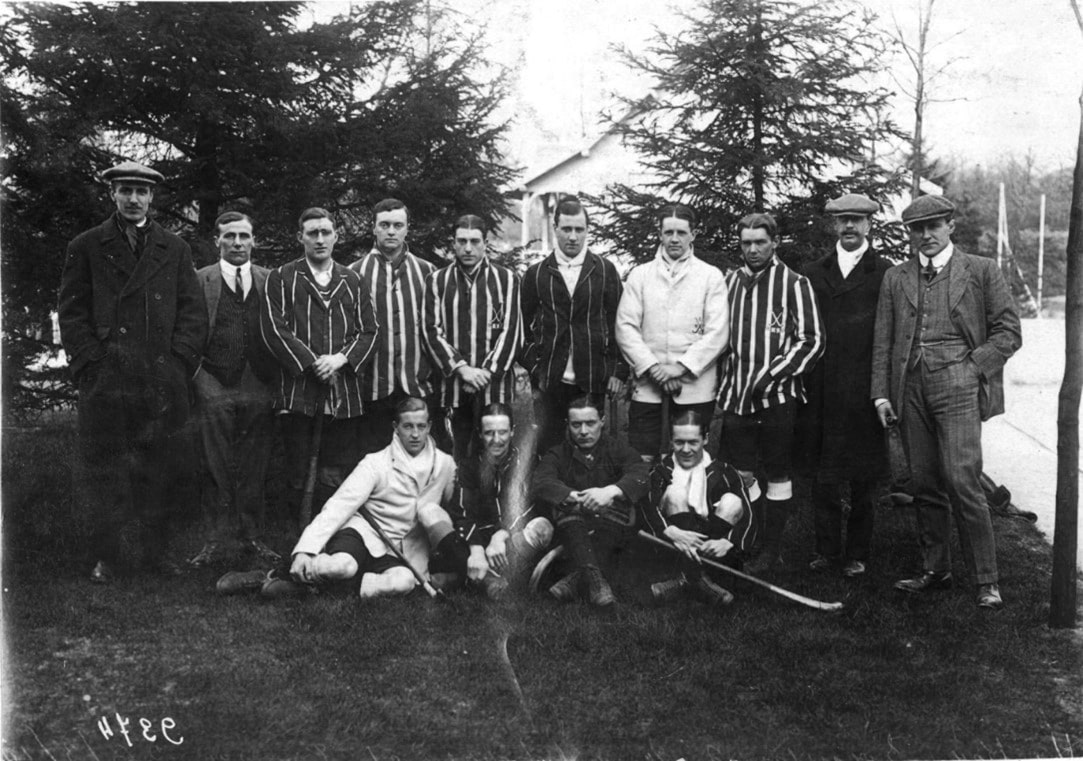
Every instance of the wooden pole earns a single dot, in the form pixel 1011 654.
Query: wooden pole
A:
pixel 1062 604
pixel 1041 251
pixel 1002 229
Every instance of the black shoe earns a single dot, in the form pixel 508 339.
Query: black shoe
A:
pixel 279 584
pixel 598 591
pixel 239 582
pixel 927 581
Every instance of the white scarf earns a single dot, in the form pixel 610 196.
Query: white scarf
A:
pixel 849 259
pixel 673 269
pixel 690 486
pixel 420 467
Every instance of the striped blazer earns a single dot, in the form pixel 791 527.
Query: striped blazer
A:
pixel 401 358
pixel 558 322
pixel 722 479
pixel 298 327
pixel 775 331
pixel 476 321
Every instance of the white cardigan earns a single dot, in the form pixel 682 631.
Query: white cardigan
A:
pixel 385 484
pixel 683 317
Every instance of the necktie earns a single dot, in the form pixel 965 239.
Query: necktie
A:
pixel 238 288
pixel 929 271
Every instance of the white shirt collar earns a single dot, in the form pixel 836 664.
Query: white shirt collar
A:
pixel 940 259
pixel 321 278
pixel 229 274
pixel 565 261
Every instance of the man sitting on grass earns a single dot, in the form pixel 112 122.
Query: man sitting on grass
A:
pixel 490 508
pixel 402 487
pixel 702 507
pixel 590 484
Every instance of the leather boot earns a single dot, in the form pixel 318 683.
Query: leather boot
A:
pixel 777 513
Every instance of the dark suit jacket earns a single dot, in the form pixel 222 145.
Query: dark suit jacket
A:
pixel 558 322
pixel 838 435
pixel 210 280
pixel 982 309
pixel 145 314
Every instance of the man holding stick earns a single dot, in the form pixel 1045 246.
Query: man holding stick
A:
pixel 702 507
pixel 590 483
pixel 376 530
pixel 672 324
pixel 775 339
pixel 473 331
pixel 945 325
pixel 401 365
pixel 319 324
pixel 569 302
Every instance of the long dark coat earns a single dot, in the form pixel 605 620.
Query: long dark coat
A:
pixel 134 330
pixel 838 434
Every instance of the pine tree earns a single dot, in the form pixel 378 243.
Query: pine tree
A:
pixel 757 103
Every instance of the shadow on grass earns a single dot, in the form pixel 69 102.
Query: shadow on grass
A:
pixel 337 678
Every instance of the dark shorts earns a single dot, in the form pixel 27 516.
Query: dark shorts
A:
pixel 645 423
pixel 761 440
pixel 349 541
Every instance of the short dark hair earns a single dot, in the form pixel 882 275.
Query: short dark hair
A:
pixel 313 212
pixel 758 220
pixel 389 204
pixel 471 222
pixel 571 206
pixel 410 404
pixel 230 216
pixel 584 402
pixel 678 210
pixel 497 408
pixel 689 417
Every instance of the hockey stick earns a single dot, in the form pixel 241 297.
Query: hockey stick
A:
pixel 817 604
pixel 313 459
pixel 425 583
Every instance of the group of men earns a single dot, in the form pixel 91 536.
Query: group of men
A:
pixel 392 381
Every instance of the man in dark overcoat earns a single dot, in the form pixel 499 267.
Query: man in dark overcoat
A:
pixel 839 437
pixel 133 325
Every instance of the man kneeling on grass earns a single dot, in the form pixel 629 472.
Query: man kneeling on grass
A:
pixel 491 511
pixel 702 507
pixel 402 487
pixel 590 484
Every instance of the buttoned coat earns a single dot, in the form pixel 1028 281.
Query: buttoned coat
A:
pixel 982 310
pixel 684 318
pixel 146 314
pixel 298 327
pixel 838 433
pixel 580 323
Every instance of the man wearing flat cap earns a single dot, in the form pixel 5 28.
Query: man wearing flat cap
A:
pixel 945 325
pixel 840 439
pixel 133 325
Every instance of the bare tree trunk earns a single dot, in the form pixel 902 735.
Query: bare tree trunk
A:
pixel 1062 610
pixel 917 160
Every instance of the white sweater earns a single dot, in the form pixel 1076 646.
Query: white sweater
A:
pixel 679 316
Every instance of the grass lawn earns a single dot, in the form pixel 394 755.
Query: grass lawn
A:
pixel 336 678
